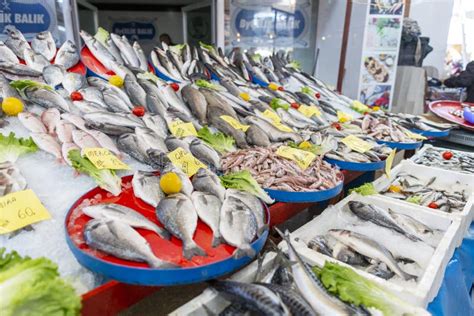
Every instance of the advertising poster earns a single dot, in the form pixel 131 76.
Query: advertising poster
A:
pixel 29 16
pixel 270 23
pixel 382 36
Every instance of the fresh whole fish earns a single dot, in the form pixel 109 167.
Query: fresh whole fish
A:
pixel 379 217
pixel 88 107
pixel 47 98
pixel 104 141
pixel 66 148
pixel 128 144
pixel 208 209
pixel 207 181
pixel 186 184
pixel 135 91
pixel 320 244
pixel 114 102
pixel 254 204
pixel 196 102
pixel 414 226
pixel 47 143
pixel 157 124
pixel 67 55
pixel 126 215
pixel 126 50
pixel 172 143
pixel 113 50
pixel 19 72
pixel 107 89
pixel 64 131
pixel 11 179
pixel 273 133
pixel 93 94
pixel 50 119
pixel 35 61
pixel 147 139
pixel 84 140
pixel 173 101
pixel 100 52
pixel 112 123
pixel 226 128
pixel 7 55
pixel 54 75
pixel 369 248
pixel 146 186
pixel 43 43
pixel 256 136
pixel 143 63
pixel 119 239
pixel 73 82
pixel 7 90
pixel 205 153
pixel 32 122
pixel 179 217
pixel 16 41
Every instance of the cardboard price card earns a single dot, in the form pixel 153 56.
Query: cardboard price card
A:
pixel 102 158
pixel 301 157
pixel 357 144
pixel 235 123
pixel 309 111
pixel 415 135
pixel 185 161
pixel 343 117
pixel 389 163
pixel 180 129
pixel 20 209
pixel 276 121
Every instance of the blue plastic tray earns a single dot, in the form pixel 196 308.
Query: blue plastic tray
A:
pixel 258 81
pixel 357 166
pixel 305 197
pixel 161 75
pixel 406 146
pixel 444 133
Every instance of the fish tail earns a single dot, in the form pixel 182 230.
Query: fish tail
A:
pixel 216 241
pixel 244 251
pixel 160 264
pixel 262 229
pixel 191 249
pixel 408 276
pixel 163 233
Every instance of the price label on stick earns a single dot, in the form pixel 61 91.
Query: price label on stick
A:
pixel 414 135
pixel 185 161
pixel 20 209
pixel 180 129
pixel 276 121
pixel 235 123
pixel 102 158
pixel 302 157
pixel 357 144
pixel 344 117
pixel 309 111
pixel 389 163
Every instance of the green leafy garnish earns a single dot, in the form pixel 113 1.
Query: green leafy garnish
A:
pixel 102 36
pixel 12 147
pixel 243 180
pixel 149 76
pixel 365 189
pixel 208 47
pixel 206 84
pixel 312 148
pixel 34 287
pixel 105 178
pixel 20 85
pixel 352 288
pixel 256 58
pixel 416 199
pixel 219 141
pixel 294 64
pixel 177 49
pixel 307 90
pixel 279 103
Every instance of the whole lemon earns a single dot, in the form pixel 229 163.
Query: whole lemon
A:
pixel 170 183
pixel 116 81
pixel 12 106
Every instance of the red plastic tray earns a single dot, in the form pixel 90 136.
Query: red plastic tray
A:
pixel 443 109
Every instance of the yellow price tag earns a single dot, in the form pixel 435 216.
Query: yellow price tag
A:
pixel 343 117
pixel 357 144
pixel 360 107
pixel 301 157
pixel 180 129
pixel 244 96
pixel 414 135
pixel 389 163
pixel 309 111
pixel 20 209
pixel 235 123
pixel 102 158
pixel 185 161
pixel 276 121
pixel 273 86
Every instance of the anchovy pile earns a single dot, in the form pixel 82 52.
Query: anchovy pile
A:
pixel 412 189
pixel 433 157
pixel 275 172
pixel 383 128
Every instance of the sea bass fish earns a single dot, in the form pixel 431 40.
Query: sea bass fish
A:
pixel 208 208
pixel 146 186
pixel 67 55
pixel 44 44
pixel 16 41
pixel 207 181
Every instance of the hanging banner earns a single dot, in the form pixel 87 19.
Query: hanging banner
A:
pixel 268 23
pixel 382 37
pixel 29 16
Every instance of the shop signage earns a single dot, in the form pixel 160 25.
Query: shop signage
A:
pixel 29 16
pixel 135 31
pixel 270 23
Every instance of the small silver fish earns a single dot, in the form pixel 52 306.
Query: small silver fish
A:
pixel 146 186
pixel 43 43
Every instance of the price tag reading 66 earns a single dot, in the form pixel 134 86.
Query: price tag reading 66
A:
pixel 20 209
pixel 185 161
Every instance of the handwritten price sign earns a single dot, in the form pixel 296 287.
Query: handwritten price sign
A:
pixel 276 121
pixel 185 161
pixel 180 129
pixel 357 144
pixel 235 123
pixel 103 159
pixel 301 157
pixel 20 209
pixel 309 111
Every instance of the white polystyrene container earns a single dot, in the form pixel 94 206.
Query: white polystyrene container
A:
pixel 427 147
pixel 444 178
pixel 418 293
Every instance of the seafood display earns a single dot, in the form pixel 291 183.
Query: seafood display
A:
pixel 428 193
pixel 419 123
pixel 446 159
pixel 384 128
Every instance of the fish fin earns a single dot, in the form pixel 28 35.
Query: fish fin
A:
pixel 262 229
pixel 216 241
pixel 159 264
pixel 404 260
pixel 408 277
pixel 163 233
pixel 191 250
pixel 208 311
pixel 244 251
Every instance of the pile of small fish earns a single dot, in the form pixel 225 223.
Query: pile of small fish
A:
pixel 417 122
pixel 275 172
pixel 235 218
pixel 11 179
pixel 413 189
pixel 433 157
pixel 383 128
pixel 366 253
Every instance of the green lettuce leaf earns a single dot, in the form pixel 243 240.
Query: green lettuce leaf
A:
pixel 206 84
pixel 294 64
pixel 416 199
pixel 365 189
pixel 20 85
pixel 307 90
pixel 12 147
pixel 208 47
pixel 102 36
pixel 279 103
pixel 219 141
pixel 243 180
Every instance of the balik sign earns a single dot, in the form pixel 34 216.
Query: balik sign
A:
pixel 135 31
pixel 29 16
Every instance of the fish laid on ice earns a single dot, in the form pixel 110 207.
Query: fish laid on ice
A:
pixel 64 131
pixel 50 119
pixel 84 140
pixel 47 98
pixel 196 102
pixel 35 61
pixel 66 148
pixel 146 186
pixel 7 55
pixel 16 41
pixel 67 55
pixel 414 226
pixel 32 122
pixel 47 143
pixel 54 75
pixel 208 208
pixel 43 43
pixel 205 153
pixel 186 185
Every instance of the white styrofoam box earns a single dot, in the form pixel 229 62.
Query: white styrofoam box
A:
pixel 211 298
pixel 418 293
pixel 427 147
pixel 444 178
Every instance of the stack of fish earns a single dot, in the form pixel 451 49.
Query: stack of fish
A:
pixel 235 218
pixel 458 161
pixel 412 189
pixel 417 122
pixel 275 172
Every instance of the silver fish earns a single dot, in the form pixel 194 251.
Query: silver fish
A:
pixel 19 72
pixel 46 98
pixel 84 140
pixel 47 143
pixel 147 139
pixel 155 60
pixel 238 135
pixel 107 88
pixel 126 50
pixel 67 55
pixel 121 240
pixel 208 208
pixel 104 141
pixel 64 131
pixel 16 41
pixel 273 133
pixel 7 90
pixel 43 43
pixel 113 49
pixel 126 215
pixel 50 119
pixel 135 91
pixel 128 144
pixel 35 61
pixel 177 213
pixel 186 185
pixel 54 75
pixel 93 94
pixel 369 248
pixel 32 122
pixel 207 181
pixel 254 204
pixel 157 124
pixel 11 179
pixel 414 226
pixel 256 136
pixel 112 123
pixel 115 102
pixel 6 54
pixel 196 102
pixel 88 107
pixel 146 186
pixel 100 52
pixel 172 143
pixel 205 153
pixel 238 226
pixel 173 100
pixel 143 62
pixel 73 82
